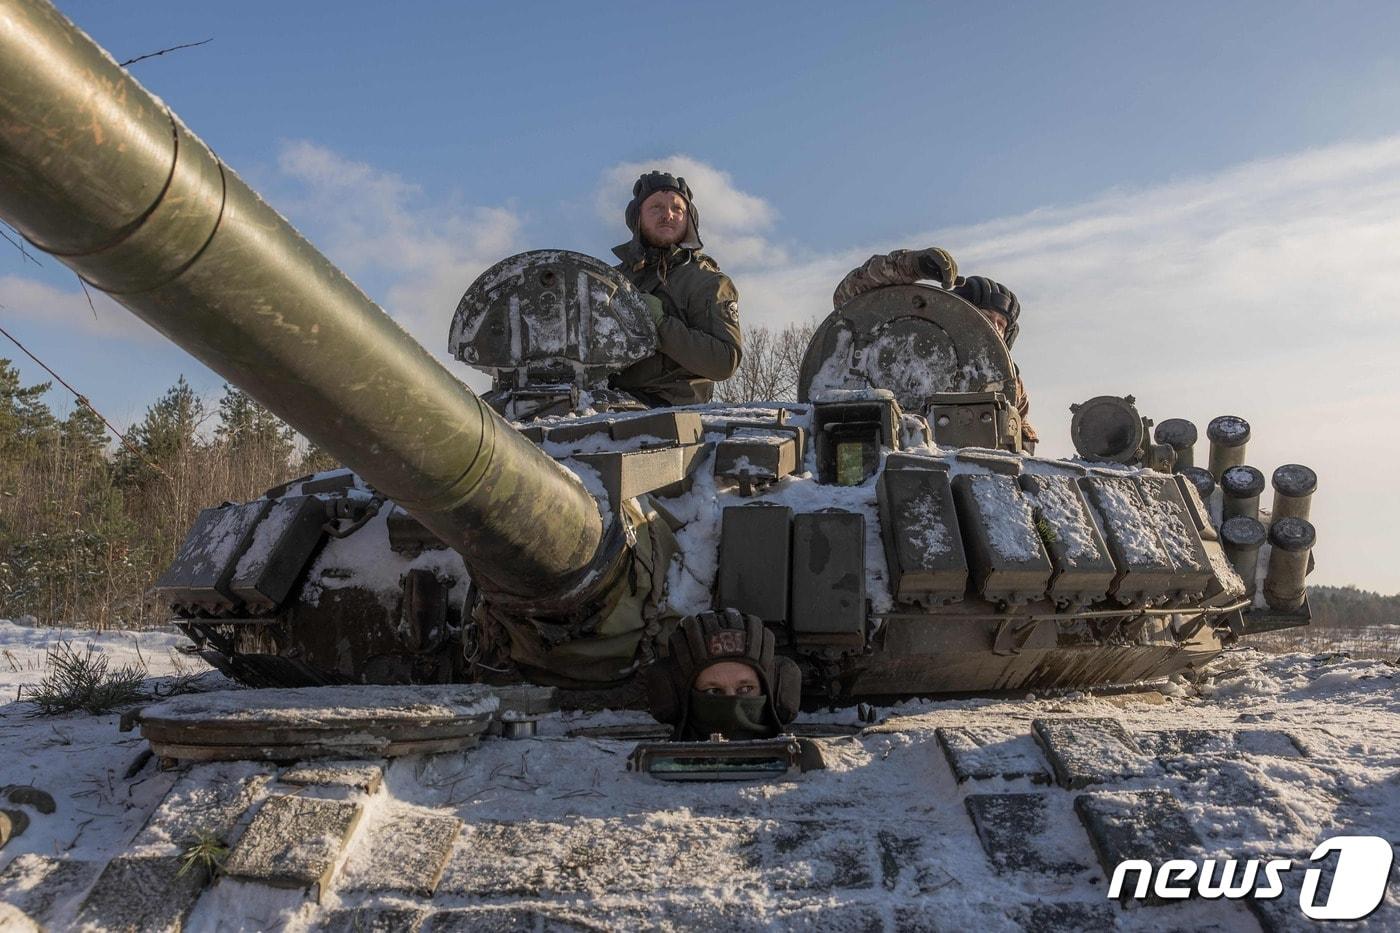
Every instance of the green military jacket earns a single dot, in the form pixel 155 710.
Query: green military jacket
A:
pixel 699 336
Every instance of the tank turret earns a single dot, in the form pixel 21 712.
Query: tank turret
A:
pixel 550 327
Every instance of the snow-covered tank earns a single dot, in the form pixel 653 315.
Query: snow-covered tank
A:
pixel 888 526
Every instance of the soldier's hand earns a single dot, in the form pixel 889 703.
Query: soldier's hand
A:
pixel 654 306
pixel 936 263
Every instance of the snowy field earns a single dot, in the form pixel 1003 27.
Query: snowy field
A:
pixel 1366 641
pixel 556 834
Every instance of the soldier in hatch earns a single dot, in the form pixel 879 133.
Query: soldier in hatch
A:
pixel 721 677
pixel 695 306
pixel 996 302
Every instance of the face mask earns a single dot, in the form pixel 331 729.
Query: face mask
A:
pixel 736 718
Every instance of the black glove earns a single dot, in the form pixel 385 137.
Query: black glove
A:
pixel 937 264
pixel 729 635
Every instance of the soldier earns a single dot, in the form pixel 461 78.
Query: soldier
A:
pixel 721 677
pixel 695 306
pixel 996 302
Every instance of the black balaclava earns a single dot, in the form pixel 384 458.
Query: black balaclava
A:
pixel 736 718
pixel 702 640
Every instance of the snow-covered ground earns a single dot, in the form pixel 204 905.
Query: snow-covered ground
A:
pixel 881 838
pixel 78 758
pixel 1366 641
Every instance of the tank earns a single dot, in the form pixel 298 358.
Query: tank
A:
pixel 888 526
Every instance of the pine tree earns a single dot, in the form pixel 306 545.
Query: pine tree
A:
pixel 25 419
pixel 246 425
pixel 27 431
pixel 84 434
pixel 315 459
pixel 254 448
pixel 167 435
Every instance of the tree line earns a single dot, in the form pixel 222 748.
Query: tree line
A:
pixel 86 525
pixel 1349 607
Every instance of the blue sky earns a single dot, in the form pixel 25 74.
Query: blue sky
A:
pixel 857 121
pixel 1189 199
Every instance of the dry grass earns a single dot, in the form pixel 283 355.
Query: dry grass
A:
pixel 83 537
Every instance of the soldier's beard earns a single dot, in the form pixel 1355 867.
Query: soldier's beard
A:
pixel 652 236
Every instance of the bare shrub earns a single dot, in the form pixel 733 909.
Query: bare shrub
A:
pixel 770 365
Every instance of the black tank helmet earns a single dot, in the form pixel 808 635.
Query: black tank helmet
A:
pixel 652 182
pixel 727 635
pixel 982 292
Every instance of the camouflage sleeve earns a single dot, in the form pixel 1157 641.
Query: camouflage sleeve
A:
pixel 712 349
pixel 900 267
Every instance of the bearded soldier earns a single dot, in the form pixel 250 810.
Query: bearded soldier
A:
pixel 995 301
pixel 694 305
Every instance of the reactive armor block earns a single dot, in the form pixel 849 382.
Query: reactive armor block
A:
pixel 1084 572
pixel 923 541
pixel 1005 552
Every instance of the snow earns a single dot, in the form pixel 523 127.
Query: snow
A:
pixel 207 555
pixel 835 371
pixel 78 758
pixel 1232 430
pixel 604 842
pixel 268 533
pixel 1006 516
pixel 1062 508
pixel 690 583
pixel 592 480
pixel 601 443
pixel 329 706
pixel 905 362
pixel 692 574
pixel 1224 571
pixel 761 436
pixel 850 395
pixel 923 523
pixel 1122 508
pixel 23 649
pixel 364 559
pixel 1171 528
pixel 1242 481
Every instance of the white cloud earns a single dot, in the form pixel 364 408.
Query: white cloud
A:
pixel 30 298
pixel 733 223
pixel 375 224
pixel 1269 290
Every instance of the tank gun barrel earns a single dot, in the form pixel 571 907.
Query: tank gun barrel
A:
pixel 99 173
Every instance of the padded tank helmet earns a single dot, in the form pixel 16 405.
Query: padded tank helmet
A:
pixel 710 637
pixel 652 182
pixel 988 295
